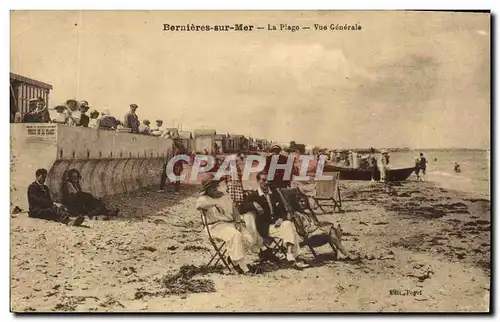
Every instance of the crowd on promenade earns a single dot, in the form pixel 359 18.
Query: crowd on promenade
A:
pixel 76 113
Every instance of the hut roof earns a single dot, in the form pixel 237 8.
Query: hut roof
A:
pixel 29 81
pixel 205 132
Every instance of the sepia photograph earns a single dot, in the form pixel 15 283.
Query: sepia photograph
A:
pixel 250 161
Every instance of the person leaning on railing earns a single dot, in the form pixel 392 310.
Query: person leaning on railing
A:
pixel 74 113
pixel 38 112
pixel 106 121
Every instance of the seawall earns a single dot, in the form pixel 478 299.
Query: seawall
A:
pixel 109 162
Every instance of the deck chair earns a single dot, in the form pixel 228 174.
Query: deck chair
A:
pixel 327 193
pixel 313 232
pixel 219 247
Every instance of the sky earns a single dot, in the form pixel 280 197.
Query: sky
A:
pixel 407 79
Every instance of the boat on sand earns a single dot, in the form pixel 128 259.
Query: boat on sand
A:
pixel 400 174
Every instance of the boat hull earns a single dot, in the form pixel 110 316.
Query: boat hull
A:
pixel 393 175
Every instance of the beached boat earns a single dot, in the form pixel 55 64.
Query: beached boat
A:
pixel 362 174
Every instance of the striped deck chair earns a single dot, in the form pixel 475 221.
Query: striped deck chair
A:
pixel 327 193
pixel 313 232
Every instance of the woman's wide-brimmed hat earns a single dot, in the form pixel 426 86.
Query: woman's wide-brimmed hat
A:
pixel 383 151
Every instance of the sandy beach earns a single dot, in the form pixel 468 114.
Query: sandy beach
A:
pixel 418 249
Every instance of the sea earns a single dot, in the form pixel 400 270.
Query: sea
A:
pixel 474 177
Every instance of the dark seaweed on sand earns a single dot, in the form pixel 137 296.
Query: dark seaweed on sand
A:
pixel 182 282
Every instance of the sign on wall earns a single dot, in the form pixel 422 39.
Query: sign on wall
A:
pixel 41 132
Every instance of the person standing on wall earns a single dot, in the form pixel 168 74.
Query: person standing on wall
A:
pixel 131 120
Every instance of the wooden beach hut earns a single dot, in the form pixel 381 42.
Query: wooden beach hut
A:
pixel 24 89
pixel 219 142
pixel 186 139
pixel 204 140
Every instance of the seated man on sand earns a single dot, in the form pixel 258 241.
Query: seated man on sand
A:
pixel 79 202
pixel 271 219
pixel 41 205
pixel 223 222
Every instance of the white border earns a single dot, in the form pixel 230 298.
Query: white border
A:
pixel 148 4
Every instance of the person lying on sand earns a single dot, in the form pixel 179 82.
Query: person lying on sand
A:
pixel 41 205
pixel 223 222
pixel 272 221
pixel 79 202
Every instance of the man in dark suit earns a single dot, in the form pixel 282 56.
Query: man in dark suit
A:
pixel 279 180
pixel 131 120
pixel 41 205
pixel 272 220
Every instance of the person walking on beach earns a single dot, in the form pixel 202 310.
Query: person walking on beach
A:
pixel 372 162
pixel 178 167
pixel 223 222
pixel 423 164
pixel 41 205
pixel 384 165
pixel 417 168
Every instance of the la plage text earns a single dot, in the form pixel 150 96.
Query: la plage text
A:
pixel 268 27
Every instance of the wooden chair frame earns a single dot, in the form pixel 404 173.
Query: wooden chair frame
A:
pixel 293 206
pixel 332 195
pixel 220 250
